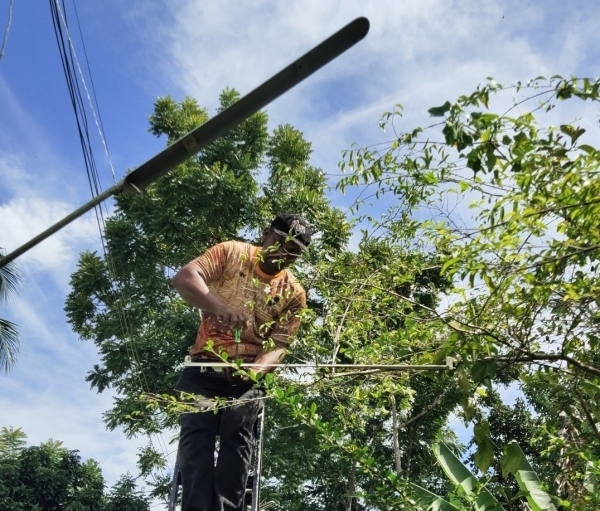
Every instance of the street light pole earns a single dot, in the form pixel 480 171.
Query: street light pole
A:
pixel 222 123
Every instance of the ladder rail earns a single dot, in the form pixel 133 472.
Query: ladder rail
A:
pixel 174 495
pixel 258 461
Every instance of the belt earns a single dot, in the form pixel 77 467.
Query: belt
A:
pixel 204 369
pixel 209 369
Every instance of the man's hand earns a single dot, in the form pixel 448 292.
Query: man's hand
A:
pixel 194 290
pixel 233 317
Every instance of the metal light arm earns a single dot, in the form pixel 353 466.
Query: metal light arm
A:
pixel 218 126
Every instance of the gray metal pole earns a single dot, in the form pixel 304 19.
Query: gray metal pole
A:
pixel 222 123
pixel 386 367
pixel 174 495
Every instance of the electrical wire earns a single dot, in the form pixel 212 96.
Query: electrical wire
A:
pixel 96 111
pixel 78 109
pixel 69 62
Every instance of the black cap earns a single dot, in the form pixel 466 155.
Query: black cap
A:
pixel 293 225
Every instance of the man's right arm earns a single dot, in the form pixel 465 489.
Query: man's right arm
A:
pixel 193 289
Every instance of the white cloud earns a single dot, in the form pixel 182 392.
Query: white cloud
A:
pixel 38 187
pixel 418 54
pixel 45 394
pixel 33 202
pixel 55 411
pixel 22 218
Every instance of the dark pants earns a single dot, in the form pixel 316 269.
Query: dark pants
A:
pixel 220 486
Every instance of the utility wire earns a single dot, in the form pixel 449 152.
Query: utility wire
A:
pixel 69 62
pixel 78 110
pixel 8 23
pixel 98 120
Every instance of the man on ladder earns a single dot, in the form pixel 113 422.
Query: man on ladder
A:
pixel 238 287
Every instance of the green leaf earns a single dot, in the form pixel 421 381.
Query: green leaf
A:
pixel 481 431
pixel 474 160
pixel 591 388
pixel 483 369
pixel 485 451
pixel 570 131
pixel 591 482
pixel 431 501
pixel 529 482
pixel 439 111
pixel 587 148
pixel 441 355
pixel 511 459
pixel 468 408
pixel 450 262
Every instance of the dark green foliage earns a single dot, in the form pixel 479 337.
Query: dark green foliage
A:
pixel 515 423
pixel 125 497
pixel 50 477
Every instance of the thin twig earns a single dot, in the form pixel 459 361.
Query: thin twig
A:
pixel 428 408
pixel 588 415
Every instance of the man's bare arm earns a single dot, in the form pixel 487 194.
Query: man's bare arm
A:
pixel 271 357
pixel 194 290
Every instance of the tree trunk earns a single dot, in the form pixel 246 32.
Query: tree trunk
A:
pixel 351 486
pixel 397 460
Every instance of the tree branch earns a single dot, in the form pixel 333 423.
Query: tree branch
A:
pixel 351 486
pixel 588 415
pixel 428 408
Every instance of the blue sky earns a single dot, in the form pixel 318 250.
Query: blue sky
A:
pixel 419 54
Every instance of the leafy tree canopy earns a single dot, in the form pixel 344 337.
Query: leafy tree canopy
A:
pixel 9 335
pixel 50 477
pixel 509 201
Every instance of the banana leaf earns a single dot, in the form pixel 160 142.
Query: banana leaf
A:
pixel 461 476
pixel 528 482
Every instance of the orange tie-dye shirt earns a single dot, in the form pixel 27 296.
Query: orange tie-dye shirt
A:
pixel 272 301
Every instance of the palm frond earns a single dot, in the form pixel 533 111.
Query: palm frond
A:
pixel 9 279
pixel 9 345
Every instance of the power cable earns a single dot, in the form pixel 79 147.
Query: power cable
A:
pixel 95 111
pixel 78 109
pixel 69 61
